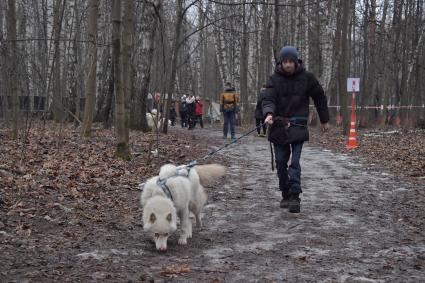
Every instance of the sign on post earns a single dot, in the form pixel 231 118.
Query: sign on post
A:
pixel 353 84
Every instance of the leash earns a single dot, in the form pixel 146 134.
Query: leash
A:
pixel 272 155
pixel 196 161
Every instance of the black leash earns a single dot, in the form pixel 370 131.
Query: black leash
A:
pixel 195 162
pixel 272 155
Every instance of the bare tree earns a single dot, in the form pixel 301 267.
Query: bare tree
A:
pixel 343 63
pixel 121 122
pixel 11 36
pixel 91 69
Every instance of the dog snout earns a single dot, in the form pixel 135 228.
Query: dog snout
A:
pixel 162 249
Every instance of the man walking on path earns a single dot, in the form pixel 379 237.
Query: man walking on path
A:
pixel 228 105
pixel 287 97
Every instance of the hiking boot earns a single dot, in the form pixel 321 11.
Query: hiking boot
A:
pixel 284 203
pixel 294 204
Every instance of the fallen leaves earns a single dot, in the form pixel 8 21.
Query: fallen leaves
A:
pixel 401 152
pixel 65 192
pixel 174 271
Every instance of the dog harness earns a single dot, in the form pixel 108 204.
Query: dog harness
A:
pixel 162 183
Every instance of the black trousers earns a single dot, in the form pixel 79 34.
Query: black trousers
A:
pixel 198 118
pixel 258 123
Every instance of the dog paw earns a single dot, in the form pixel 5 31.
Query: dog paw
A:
pixel 189 235
pixel 182 241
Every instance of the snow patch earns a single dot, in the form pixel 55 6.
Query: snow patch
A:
pixel 101 254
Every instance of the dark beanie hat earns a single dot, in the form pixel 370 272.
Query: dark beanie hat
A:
pixel 288 52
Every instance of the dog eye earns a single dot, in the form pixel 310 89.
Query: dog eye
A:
pixel 156 235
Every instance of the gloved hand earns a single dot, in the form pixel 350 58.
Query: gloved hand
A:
pixel 269 119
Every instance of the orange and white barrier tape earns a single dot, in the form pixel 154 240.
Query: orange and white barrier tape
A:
pixel 382 107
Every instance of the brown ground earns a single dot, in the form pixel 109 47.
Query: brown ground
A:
pixel 70 212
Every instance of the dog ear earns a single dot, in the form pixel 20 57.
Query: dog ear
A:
pixel 152 218
pixel 169 217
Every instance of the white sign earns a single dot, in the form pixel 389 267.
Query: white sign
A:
pixel 353 84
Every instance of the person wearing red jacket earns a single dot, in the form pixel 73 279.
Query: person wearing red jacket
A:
pixel 198 112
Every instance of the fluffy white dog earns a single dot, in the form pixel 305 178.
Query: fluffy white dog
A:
pixel 155 120
pixel 176 191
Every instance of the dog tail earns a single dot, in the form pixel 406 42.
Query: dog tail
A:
pixel 209 173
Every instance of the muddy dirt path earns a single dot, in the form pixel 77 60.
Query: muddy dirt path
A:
pixel 355 225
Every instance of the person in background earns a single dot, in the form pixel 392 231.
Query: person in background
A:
pixel 259 117
pixel 228 106
pixel 198 112
pixel 173 114
pixel 190 102
pixel 183 111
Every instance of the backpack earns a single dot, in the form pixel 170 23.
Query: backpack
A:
pixel 229 101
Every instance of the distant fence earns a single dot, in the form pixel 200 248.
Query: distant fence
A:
pixel 370 116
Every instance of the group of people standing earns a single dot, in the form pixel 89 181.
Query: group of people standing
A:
pixel 191 111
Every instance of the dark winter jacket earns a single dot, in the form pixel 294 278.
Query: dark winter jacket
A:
pixel 259 106
pixel 288 96
pixel 190 104
pixel 183 109
pixel 173 113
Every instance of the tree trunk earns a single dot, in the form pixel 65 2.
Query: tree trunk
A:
pixel 343 62
pixel 91 69
pixel 244 65
pixel 276 27
pixel 173 65
pixel 149 27
pixel 11 36
pixel 107 111
pixel 122 149
pixel 57 93
pixel 127 37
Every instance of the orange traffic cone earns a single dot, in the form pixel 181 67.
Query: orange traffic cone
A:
pixel 352 136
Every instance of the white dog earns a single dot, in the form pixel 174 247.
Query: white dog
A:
pixel 176 191
pixel 155 120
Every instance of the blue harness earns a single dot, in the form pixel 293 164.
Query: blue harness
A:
pixel 162 183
